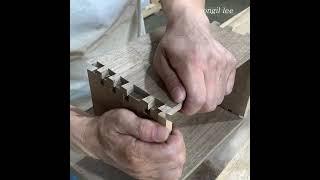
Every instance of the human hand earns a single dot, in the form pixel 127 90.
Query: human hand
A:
pixel 195 68
pixel 139 147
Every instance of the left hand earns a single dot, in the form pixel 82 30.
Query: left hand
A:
pixel 196 69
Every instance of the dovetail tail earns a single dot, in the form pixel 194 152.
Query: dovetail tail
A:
pixel 147 111
pixel 121 81
pixel 111 73
pixel 97 64
pixel 138 93
pixel 158 103
pixel 96 72
pixel 229 110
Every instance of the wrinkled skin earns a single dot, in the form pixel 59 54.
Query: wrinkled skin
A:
pixel 196 69
pixel 139 147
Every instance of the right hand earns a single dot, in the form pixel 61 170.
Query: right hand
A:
pixel 139 147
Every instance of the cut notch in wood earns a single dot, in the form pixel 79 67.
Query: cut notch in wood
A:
pixel 129 83
pixel 129 95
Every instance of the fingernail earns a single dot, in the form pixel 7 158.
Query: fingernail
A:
pixel 161 134
pixel 178 94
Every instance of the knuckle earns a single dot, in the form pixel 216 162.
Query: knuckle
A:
pixel 199 100
pixel 177 173
pixel 224 63
pixel 221 62
pixel 172 154
pixel 104 132
pixel 144 129
pixel 119 115
pixel 113 113
pixel 182 159
pixel 194 53
pixel 220 100
pixel 212 61
pixel 177 153
pixel 141 129
pixel 232 81
pixel 171 81
pixel 209 107
pixel 181 141
pixel 232 61
pixel 194 58
pixel 229 89
pixel 196 96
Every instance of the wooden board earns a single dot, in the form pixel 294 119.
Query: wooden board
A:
pixel 240 23
pixel 124 77
pixel 239 166
pixel 151 9
pixel 239 100
pixel 205 128
pixel 219 158
pixel 202 134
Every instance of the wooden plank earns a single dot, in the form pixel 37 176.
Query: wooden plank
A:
pixel 124 77
pixel 239 166
pixel 202 134
pixel 238 101
pixel 219 158
pixel 155 1
pixel 240 23
pixel 152 8
pixel 205 127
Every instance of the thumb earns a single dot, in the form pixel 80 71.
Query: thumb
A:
pixel 168 76
pixel 150 131
pixel 144 129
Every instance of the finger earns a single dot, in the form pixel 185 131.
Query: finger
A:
pixel 230 82
pixel 127 122
pixel 225 67
pixel 222 85
pixel 193 80
pixel 211 81
pixel 163 152
pixel 147 130
pixel 169 77
pixel 172 174
pixel 175 137
pixel 176 140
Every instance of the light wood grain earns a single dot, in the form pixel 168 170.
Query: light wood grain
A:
pixel 151 9
pixel 238 101
pixel 239 167
pixel 202 134
pixel 125 78
pixel 240 23
pixel 219 158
